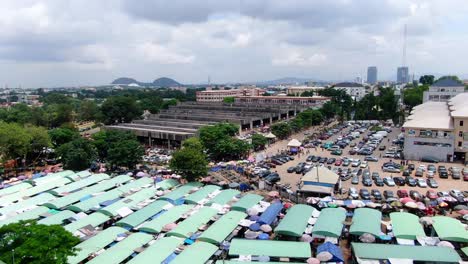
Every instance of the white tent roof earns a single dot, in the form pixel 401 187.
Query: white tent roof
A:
pixel 270 135
pixel 294 143
pixel 321 174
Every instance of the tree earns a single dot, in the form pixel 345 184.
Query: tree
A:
pixel 281 130
pixel 127 153
pixel 168 103
pixel 211 135
pixel 426 79
pixel 193 143
pixel 328 109
pixel 58 114
pixel 152 103
pixel 14 141
pixel 77 154
pixel 259 141
pixel 231 149
pixel 228 100
pixel 88 111
pixel 60 136
pixel 29 242
pixel 190 163
pixel 39 140
pixel 120 109
pixel 103 140
pixel 413 96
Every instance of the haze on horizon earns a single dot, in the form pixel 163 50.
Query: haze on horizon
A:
pixel 84 42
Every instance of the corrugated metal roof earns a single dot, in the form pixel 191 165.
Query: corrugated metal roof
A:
pixel 295 221
pixel 158 251
pixel 129 201
pixel 172 215
pixel 94 219
pixel 271 248
pixel 190 225
pixel 220 229
pixel 198 252
pixel 201 194
pixel 247 201
pixel 143 214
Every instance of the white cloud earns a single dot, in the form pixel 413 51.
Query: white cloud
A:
pixel 160 54
pixel 295 58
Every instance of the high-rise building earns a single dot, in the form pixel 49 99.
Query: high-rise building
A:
pixel 403 75
pixel 372 75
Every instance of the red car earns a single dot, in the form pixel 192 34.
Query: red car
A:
pixel 402 193
pixel 431 194
pixel 338 162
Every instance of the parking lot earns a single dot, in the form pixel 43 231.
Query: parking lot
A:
pixel 293 178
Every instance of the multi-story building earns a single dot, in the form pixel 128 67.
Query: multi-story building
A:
pixel 298 90
pixel 313 101
pixel 355 90
pixel 372 75
pixel 443 90
pixel 403 75
pixel 219 95
pixel 438 130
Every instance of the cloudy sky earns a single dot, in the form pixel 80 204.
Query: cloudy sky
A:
pixel 85 42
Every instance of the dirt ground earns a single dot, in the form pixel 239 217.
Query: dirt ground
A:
pixel 293 179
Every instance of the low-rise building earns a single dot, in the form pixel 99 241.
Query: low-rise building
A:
pixel 355 90
pixel 219 95
pixel 298 90
pixel 313 101
pixel 443 90
pixel 438 130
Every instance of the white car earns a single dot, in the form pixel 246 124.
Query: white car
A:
pixel 456 193
pixel 353 193
pixel 355 163
pixel 422 167
pixel 364 164
pixel 422 183
pixel 389 181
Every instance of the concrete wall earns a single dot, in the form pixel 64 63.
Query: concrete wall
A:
pixel 417 152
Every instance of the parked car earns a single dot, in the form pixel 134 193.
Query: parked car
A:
pixel 410 181
pixel 456 175
pixel 353 193
pixel 376 194
pixel 406 173
pixel 443 174
pixel 378 182
pixel 389 181
pixel 415 195
pixel 355 163
pixel 402 193
pixel 291 169
pixel 363 164
pixel 355 180
pixel 422 183
pixel 382 147
pixel 375 175
pixel 346 163
pixel 399 181
pixel 431 167
pixel 337 152
pixel 371 158
pixel 273 178
pixel 388 194
pixel 338 162
pixel 432 183
pixel 455 193
pixel 366 181
pixel 364 193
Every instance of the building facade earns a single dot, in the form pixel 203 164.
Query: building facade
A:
pixel 403 75
pixel 298 90
pixel 438 130
pixel 219 95
pixel 314 101
pixel 355 90
pixel 372 75
pixel 443 90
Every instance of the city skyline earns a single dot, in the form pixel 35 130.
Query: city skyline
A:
pixel 73 43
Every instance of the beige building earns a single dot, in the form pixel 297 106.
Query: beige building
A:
pixel 313 101
pixel 219 95
pixel 438 130
pixel 298 90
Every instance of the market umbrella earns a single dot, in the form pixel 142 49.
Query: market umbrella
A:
pixel 358 203
pixel 263 236
pixel 443 204
pixel 465 217
pixel 367 238
pixel 266 228
pixel 371 205
pixel 406 200
pixel 22 177
pixel 233 185
pixel 159 193
pixel 324 256
pixel 421 206
pixel 254 227
pixel 306 238
pixel 313 261
pixel 460 207
pixel 254 218
pixel 332 205
pixel 273 194
pixel 249 234
pixel 141 174
pixel 426 220
pixel 351 206
pixel 287 205
pixel 412 205
pixel 463 212
pixel 252 211
pixel 445 244
pixel 396 204
pixel 130 173
pixel 169 227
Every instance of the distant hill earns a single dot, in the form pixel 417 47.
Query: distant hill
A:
pixel 124 81
pixel 165 82
pixel 160 82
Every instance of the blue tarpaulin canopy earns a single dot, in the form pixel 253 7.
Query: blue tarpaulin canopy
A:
pixel 270 214
pixel 332 249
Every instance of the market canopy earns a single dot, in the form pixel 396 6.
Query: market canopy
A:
pixel 94 220
pixel 375 251
pixel 330 222
pixel 198 252
pixel 406 225
pixel 223 197
pixel 270 135
pixel 271 248
pixel 295 221
pixel 366 220
pixel 270 213
pixel 224 226
pixel 246 202
pixel 294 143
pixel 180 192
pixel 450 229
pixel 171 216
pixel 129 201
pixel 57 218
pixel 191 224
pixel 143 214
pixel 201 194
pixel 158 251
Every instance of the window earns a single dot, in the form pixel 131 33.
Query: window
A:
pixel 459 143
pixel 460 134
pixel 461 122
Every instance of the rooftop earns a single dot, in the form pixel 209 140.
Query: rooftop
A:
pixel 447 82
pixel 348 84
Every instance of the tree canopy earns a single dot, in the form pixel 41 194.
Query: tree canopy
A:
pixel 228 100
pixel 281 130
pixel 259 141
pixel 426 79
pixel 28 242
pixel 60 136
pixel 190 161
pixel 77 154
pixel 127 153
pixel 120 109
pixel 413 96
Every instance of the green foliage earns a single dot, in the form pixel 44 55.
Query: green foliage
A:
pixel 153 104
pixel 281 130
pixel 58 114
pixel 14 141
pixel 328 109
pixel 190 162
pixel 259 141
pixel 193 143
pixel 453 77
pixel 39 139
pixel 308 93
pixel 120 109
pixel 55 98
pixel 127 153
pixel 168 103
pixel 382 107
pixel 414 96
pixel 228 100
pixel 77 154
pixel 29 242
pixel 341 103
pixel 60 136
pixel 426 79
pixel 219 142
pixel 103 140
pixel 88 111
